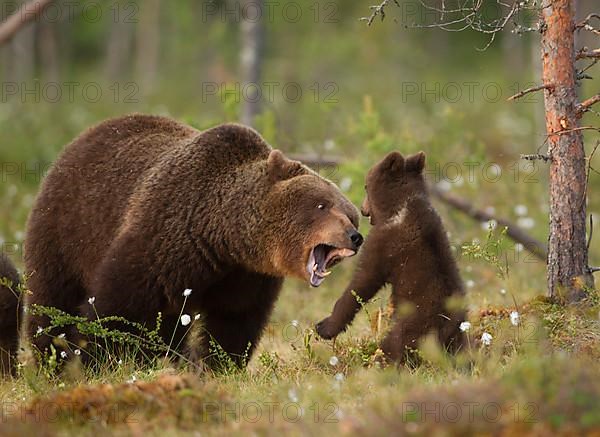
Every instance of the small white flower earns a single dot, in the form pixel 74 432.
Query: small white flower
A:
pixel 295 323
pixel 292 395
pixel 521 210
pixel 120 362
pixel 132 379
pixel 39 330
pixel 197 317
pixel 185 319
pixel 486 339
pixel 339 377
pixel 61 335
pixel 470 283
pixel 187 292
pixel 77 352
pixel 91 300
pixel 465 326
pixel 514 318
pixel 334 361
pixel 490 224
pixel 444 185
pixel 63 355
pixel 503 291
pixel 526 222
pixel 519 247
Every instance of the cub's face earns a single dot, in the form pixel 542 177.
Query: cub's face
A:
pixel 315 225
pixel 390 183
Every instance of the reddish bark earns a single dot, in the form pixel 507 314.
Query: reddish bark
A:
pixel 567 252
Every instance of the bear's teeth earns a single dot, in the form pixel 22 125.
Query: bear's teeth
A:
pixel 325 273
pixel 315 267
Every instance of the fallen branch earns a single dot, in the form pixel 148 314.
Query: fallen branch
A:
pixel 534 246
pixel 26 13
pixel 530 90
pixel 317 161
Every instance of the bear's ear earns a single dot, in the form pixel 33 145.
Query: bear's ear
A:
pixel 416 162
pixel 280 168
pixel 393 163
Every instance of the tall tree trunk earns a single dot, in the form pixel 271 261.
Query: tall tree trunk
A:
pixel 567 252
pixel 147 44
pixel 118 50
pixel 252 35
pixel 48 51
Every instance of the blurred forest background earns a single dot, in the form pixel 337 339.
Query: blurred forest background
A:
pixel 340 94
pixel 330 87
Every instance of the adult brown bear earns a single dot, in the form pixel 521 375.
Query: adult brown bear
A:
pixel 10 310
pixel 140 208
pixel 409 249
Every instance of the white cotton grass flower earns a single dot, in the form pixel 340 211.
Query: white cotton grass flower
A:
pixel 490 224
pixel 91 300
pixel 503 291
pixel 486 338
pixel 187 292
pixel 295 323
pixel 470 283
pixel 521 210
pixel 197 317
pixel 514 318
pixel 464 326
pixel 120 361
pixel 444 185
pixel 526 222
pixel 77 352
pixel 61 335
pixel 185 319
pixel 333 361
pixel 39 330
pixel 63 355
pixel 292 395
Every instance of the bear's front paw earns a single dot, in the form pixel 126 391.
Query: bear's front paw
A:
pixel 327 329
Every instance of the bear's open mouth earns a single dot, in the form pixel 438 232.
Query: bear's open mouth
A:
pixel 323 257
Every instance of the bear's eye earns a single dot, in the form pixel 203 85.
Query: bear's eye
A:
pixel 321 206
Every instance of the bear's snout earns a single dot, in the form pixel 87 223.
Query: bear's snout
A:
pixel 356 238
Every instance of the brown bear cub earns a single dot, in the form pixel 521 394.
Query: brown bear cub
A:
pixel 407 248
pixel 140 208
pixel 9 315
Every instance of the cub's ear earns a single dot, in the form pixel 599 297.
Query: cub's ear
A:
pixel 393 163
pixel 416 162
pixel 281 168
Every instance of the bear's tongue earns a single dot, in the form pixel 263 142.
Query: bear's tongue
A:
pixel 320 258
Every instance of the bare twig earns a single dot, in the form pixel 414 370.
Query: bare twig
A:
pixel 26 13
pixel 587 179
pixel 584 54
pixel 536 156
pixel 585 24
pixel 530 90
pixel 378 10
pixel 587 103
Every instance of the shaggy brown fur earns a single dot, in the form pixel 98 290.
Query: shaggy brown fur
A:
pixel 140 208
pixel 407 248
pixel 9 315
